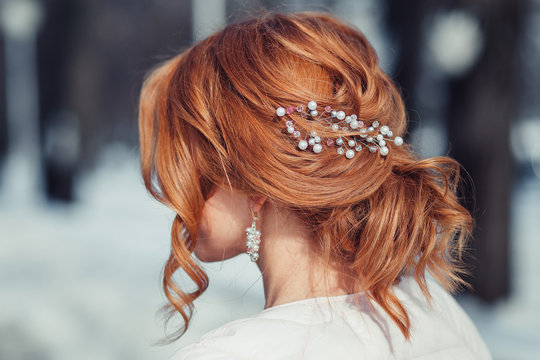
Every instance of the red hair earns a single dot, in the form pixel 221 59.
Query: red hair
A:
pixel 207 116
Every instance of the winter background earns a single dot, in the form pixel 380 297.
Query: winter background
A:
pixel 81 242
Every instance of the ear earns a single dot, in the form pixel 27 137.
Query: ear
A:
pixel 257 202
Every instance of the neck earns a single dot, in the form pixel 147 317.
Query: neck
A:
pixel 291 270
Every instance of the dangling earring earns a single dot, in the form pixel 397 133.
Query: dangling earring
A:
pixel 253 240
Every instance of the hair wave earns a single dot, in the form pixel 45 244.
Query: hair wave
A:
pixel 207 116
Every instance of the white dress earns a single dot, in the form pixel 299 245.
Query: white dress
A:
pixel 334 328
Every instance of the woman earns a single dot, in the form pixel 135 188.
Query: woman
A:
pixel 281 137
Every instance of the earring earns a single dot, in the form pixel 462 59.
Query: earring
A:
pixel 253 240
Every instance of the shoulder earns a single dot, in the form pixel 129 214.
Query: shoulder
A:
pixel 280 333
pixel 443 321
pixel 200 351
pixel 311 328
pixel 249 338
pixel 349 328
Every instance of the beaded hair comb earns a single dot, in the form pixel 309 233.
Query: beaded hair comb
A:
pixel 372 137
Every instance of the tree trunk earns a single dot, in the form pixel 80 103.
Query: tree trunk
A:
pixel 483 104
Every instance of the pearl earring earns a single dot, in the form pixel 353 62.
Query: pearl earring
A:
pixel 253 240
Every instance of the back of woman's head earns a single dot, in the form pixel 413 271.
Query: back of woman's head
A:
pixel 208 117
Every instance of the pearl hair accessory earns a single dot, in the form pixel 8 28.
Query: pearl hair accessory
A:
pixel 372 137
pixel 253 240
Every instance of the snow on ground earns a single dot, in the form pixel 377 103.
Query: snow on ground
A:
pixel 83 281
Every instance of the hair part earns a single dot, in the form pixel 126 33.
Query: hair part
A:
pixel 207 116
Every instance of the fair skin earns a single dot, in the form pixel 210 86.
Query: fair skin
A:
pixel 290 269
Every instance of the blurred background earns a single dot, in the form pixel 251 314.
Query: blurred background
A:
pixel 81 242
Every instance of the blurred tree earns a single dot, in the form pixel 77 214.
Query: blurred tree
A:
pixel 59 133
pixel 483 103
pixel 92 56
pixel 404 20
pixel 3 114
pixel 117 43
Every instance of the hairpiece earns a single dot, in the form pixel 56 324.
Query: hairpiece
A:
pixel 372 137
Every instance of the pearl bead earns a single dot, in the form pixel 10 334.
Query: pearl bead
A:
pixel 335 127
pixel 314 113
pixel 398 141
pixel 333 113
pixel 312 105
pixel 349 154
pixel 371 128
pixel 348 119
pixel 296 133
pixel 390 133
pixel 280 111
pixel 384 151
pixel 384 130
pixel 340 115
pixel 311 141
pixel 317 139
pixel 290 129
pixel 382 143
pixel 354 124
pixel 289 123
pixel 340 150
pixel 302 144
pixel 354 117
pixel 369 139
pixel 339 141
pixel 317 148
pixel 352 143
pixel 313 133
pixel 358 147
pixel 375 124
